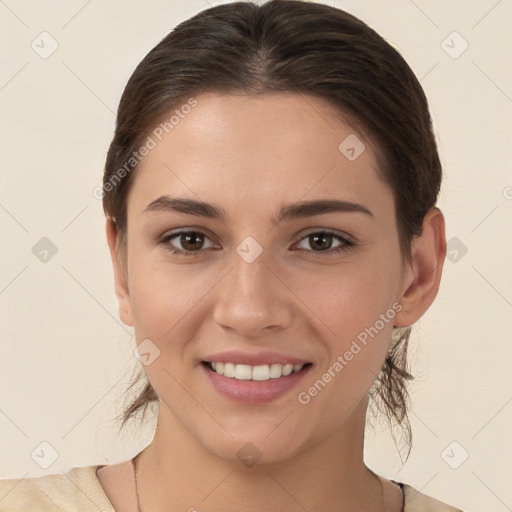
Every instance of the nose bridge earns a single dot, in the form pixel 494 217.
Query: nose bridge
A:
pixel 250 297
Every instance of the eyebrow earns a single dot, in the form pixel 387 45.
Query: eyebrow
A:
pixel 287 212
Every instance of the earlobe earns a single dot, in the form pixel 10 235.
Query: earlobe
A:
pixel 120 274
pixel 422 278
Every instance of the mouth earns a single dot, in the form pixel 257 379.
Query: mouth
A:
pixel 249 384
pixel 262 372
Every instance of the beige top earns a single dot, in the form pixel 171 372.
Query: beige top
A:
pixel 79 490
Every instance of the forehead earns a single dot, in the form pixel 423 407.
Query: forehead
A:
pixel 253 150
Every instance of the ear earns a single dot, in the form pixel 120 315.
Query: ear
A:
pixel 423 273
pixel 120 274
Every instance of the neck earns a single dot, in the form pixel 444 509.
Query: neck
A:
pixel 327 476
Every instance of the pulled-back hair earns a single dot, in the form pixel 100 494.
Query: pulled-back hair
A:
pixel 304 48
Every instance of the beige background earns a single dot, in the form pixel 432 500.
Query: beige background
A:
pixel 66 358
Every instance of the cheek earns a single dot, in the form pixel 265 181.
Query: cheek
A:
pixel 355 306
pixel 164 299
pixel 162 295
pixel 357 311
pixel 351 297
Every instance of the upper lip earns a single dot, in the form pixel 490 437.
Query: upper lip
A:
pixel 253 358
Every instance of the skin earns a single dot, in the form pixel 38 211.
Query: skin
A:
pixel 250 156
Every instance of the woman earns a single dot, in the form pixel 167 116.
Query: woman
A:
pixel 270 198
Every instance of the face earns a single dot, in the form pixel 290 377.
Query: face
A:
pixel 238 282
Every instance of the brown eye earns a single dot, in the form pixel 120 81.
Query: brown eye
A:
pixel 191 241
pixel 188 242
pixel 322 241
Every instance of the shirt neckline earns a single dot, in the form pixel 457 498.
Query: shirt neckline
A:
pixel 99 466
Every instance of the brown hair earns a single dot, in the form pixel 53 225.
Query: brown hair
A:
pixel 304 48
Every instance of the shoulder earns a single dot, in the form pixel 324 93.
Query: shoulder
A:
pixel 77 490
pixel 415 501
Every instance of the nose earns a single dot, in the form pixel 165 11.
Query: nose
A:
pixel 253 299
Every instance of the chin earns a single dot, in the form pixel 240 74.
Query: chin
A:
pixel 253 450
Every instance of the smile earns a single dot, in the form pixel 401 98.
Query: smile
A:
pixel 248 372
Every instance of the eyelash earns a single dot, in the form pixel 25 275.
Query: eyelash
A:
pixel 346 244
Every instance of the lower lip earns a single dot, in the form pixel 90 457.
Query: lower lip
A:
pixel 254 391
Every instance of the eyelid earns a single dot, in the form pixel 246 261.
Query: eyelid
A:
pixel 346 241
pixel 299 236
pixel 342 234
pixel 166 237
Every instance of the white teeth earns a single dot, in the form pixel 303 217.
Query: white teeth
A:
pixel 276 371
pixel 229 369
pixel 261 372
pixel 243 372
pixel 287 369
